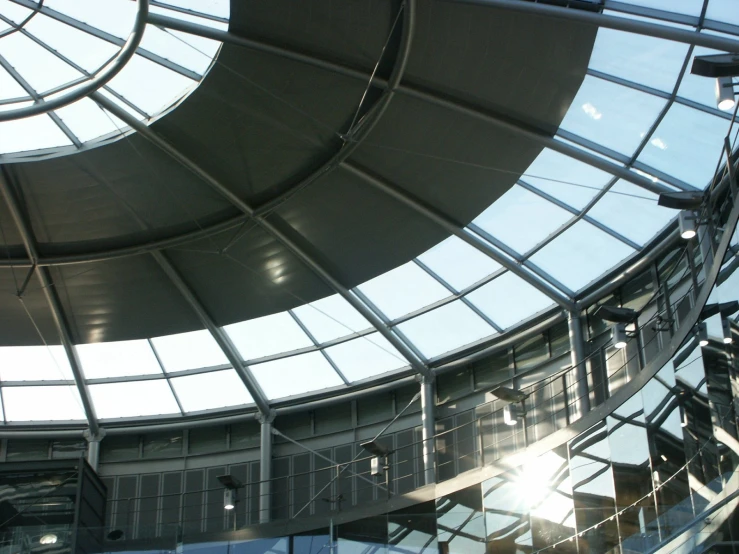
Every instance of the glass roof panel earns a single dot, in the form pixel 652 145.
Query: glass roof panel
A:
pixel 646 60
pixel 168 46
pixel 14 12
pixel 723 10
pixel 117 359
pixel 689 156
pixel 46 403
pixel 509 299
pixel 505 221
pixel 133 399
pixel 445 328
pixel 631 211
pixel 267 335
pixel 458 263
pixel 687 7
pixel 207 391
pixel 365 357
pixel 296 375
pixel 82 48
pixel 580 254
pixel 40 68
pixel 218 8
pixel 173 13
pixel 612 115
pixel 9 87
pixel 31 133
pixel 34 363
pixel 564 178
pixel 88 121
pixel 403 290
pixel 330 318
pixel 117 18
pixel 188 351
pixel 149 85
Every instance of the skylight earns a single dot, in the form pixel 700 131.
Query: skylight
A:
pixel 50 49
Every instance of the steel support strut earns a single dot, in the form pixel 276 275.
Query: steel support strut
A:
pixel 428 430
pixel 220 336
pixel 52 297
pixel 265 467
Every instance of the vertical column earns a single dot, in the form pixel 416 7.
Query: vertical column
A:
pixel 265 466
pixel 428 429
pixel 578 395
pixel 93 447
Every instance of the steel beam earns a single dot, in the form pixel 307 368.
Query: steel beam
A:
pixel 52 297
pixel 265 468
pixel 449 225
pixel 267 225
pixel 428 430
pixel 636 26
pixel 577 354
pixel 220 336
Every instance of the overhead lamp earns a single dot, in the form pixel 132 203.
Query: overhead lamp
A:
pixel 615 314
pixel 726 327
pixel 702 333
pixel 510 414
pixel 686 222
pixel 50 538
pixel 683 417
pixel 619 336
pixel 725 94
pixel 380 452
pixel 681 200
pixel 231 485
pixel 717 65
pixel 509 395
pixel 229 499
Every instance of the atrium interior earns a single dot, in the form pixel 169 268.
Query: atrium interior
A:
pixel 389 276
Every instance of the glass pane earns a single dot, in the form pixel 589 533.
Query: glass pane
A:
pixel 166 45
pixel 403 290
pixel 117 359
pixel 568 180
pixel 632 212
pixel 689 156
pixel 509 299
pixel 445 328
pixel 30 133
pixel 39 67
pixel 458 263
pixel 218 8
pixel 34 363
pixel 267 335
pixel 724 11
pixel 687 7
pixel 150 86
pixel 206 391
pixel 521 219
pixel 42 403
pixel 647 60
pixel 117 18
pixel 366 356
pixel 580 254
pixel 85 50
pixel 9 87
pixel 188 351
pixel 296 375
pixel 133 399
pixel 331 318
pixel 612 115
pixel 87 121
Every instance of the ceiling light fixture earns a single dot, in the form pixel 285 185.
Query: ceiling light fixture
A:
pixel 725 94
pixel 229 494
pixel 686 223
pixel 619 336
pixel 702 332
pixel 510 414
pixel 726 327
pixel 50 538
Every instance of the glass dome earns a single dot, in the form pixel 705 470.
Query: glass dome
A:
pixel 565 224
